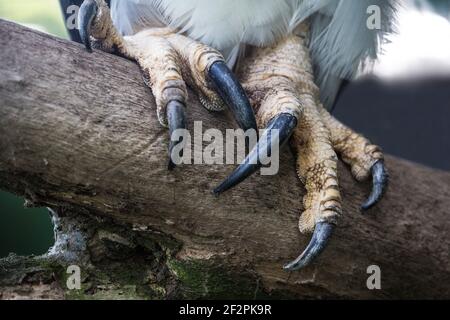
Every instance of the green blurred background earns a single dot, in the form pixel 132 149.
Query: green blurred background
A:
pixel 28 231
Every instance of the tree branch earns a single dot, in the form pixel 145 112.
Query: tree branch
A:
pixel 79 134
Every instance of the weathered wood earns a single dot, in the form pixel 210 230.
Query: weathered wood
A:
pixel 79 131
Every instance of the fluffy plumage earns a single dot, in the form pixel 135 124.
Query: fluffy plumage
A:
pixel 340 41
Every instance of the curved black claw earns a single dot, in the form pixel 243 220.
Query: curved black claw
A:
pixel 285 124
pixel 176 117
pixel 319 240
pixel 380 181
pixel 87 13
pixel 231 91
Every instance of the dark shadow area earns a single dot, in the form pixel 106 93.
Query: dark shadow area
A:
pixel 409 119
pixel 23 230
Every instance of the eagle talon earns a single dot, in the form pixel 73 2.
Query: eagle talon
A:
pixel 379 185
pixel 318 243
pixel 176 117
pixel 163 62
pixel 86 15
pixel 285 77
pixel 285 123
pixel 232 93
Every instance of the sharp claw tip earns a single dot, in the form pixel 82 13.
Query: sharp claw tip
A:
pixel 216 192
pixel 366 206
pixel 220 189
pixel 291 267
pixel 317 244
pixel 380 181
pixel 285 124
pixel 171 165
pixel 287 267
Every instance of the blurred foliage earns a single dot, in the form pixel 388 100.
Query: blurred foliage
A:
pixel 45 14
pixel 28 231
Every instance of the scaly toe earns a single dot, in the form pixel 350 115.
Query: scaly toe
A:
pixel 364 158
pixel 318 243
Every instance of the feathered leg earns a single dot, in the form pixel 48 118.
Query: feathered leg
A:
pixel 170 61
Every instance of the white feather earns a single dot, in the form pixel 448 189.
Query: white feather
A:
pixel 342 43
pixel 340 40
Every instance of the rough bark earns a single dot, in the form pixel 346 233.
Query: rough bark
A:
pixel 79 134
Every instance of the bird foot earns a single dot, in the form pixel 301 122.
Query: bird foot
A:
pixel 280 84
pixel 170 62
